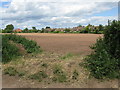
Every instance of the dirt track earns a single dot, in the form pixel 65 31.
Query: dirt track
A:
pixel 64 43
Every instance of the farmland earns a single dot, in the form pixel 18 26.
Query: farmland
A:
pixel 61 52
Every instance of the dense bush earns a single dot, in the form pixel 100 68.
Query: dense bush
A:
pixel 112 38
pixel 29 45
pixel 11 51
pixel 104 62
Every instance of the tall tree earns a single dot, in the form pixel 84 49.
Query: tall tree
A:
pixel 9 28
pixel 34 28
pixel 47 27
pixel 100 27
pixel 25 30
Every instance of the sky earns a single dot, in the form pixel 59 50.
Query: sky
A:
pixel 56 13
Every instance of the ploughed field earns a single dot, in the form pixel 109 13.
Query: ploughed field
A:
pixel 64 43
pixel 62 51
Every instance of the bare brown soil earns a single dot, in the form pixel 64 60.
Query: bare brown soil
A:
pixel 54 47
pixel 64 43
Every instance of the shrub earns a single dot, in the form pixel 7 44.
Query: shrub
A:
pixel 10 71
pixel 67 30
pixel 101 64
pixel 75 75
pixel 112 38
pixel 104 61
pixel 20 74
pixel 60 76
pixel 38 76
pixel 29 45
pixel 9 51
pixel 56 31
pixel 84 31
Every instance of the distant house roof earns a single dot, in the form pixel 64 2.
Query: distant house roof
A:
pixel 18 30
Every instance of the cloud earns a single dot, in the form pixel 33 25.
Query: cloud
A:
pixel 55 13
pixel 5 0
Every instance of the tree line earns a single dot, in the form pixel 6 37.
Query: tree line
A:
pixel 79 29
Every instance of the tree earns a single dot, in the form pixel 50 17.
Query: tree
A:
pixel 34 28
pixel 67 30
pixel 47 27
pixel 25 30
pixel 9 28
pixel 42 30
pixel 100 27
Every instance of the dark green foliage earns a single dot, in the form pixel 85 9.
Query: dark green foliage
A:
pixel 42 30
pixel 100 27
pixel 55 31
pixel 38 76
pixel 25 30
pixel 29 45
pixel 0 30
pixel 9 51
pixel 112 38
pixel 84 31
pixel 96 31
pixel 67 30
pixel 9 29
pixel 34 28
pixel 101 64
pixel 104 62
pixel 47 27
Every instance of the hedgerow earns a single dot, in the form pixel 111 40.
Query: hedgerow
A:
pixel 11 51
pixel 104 61
pixel 29 45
